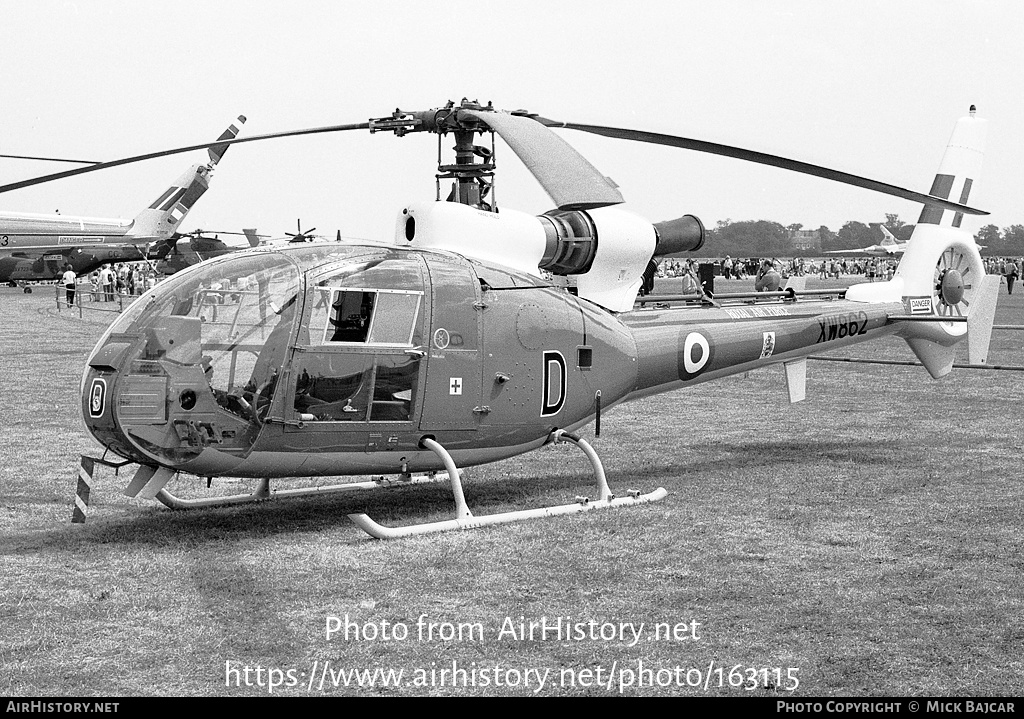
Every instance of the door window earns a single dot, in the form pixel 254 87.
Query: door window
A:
pixel 350 387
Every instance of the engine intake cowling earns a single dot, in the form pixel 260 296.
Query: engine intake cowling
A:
pixel 605 250
pixel 571 242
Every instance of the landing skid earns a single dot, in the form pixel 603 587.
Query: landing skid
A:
pixel 263 492
pixel 464 519
pixel 149 483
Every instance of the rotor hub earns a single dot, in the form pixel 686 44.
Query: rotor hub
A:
pixel 951 286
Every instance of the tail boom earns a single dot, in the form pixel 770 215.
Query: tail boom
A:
pixel 674 352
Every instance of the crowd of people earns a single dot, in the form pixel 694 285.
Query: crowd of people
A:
pixel 872 268
pixel 1009 267
pixel 110 281
pixel 134 278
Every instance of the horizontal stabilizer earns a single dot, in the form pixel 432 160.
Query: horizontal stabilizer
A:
pixel 981 318
pixel 796 379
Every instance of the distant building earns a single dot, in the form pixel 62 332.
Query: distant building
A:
pixel 805 240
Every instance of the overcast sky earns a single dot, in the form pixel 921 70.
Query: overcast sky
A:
pixel 872 88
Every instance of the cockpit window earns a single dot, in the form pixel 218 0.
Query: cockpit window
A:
pixel 351 312
pixel 232 318
pixel 356 361
pixel 396 317
pixel 376 317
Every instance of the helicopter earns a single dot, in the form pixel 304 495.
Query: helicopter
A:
pixel 40 247
pixel 175 255
pixel 479 334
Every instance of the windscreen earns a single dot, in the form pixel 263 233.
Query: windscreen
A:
pixel 245 305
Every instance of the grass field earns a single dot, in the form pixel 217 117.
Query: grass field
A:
pixel 866 542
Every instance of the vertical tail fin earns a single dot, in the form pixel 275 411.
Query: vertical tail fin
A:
pixel 161 219
pixel 958 172
pixel 217 151
pixel 941 276
pixel 251 236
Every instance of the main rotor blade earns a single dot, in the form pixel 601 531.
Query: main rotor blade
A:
pixel 762 158
pixel 220 232
pixel 220 143
pixel 50 159
pixel 571 181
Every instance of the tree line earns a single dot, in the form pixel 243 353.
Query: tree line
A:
pixel 764 238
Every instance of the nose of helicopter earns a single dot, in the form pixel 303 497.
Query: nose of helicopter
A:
pixel 187 373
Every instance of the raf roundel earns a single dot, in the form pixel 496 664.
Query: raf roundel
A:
pixel 695 355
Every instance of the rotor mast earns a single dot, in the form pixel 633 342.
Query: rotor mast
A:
pixel 473 171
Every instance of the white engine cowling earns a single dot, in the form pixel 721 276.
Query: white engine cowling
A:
pixel 605 250
pixel 625 244
pixel 513 239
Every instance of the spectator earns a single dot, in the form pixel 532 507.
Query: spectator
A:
pixel 1010 272
pixel 768 278
pixel 69 280
pixel 107 280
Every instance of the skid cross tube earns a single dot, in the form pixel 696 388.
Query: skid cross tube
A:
pixel 467 520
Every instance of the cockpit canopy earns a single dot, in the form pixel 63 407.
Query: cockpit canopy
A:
pixel 328 347
pixel 242 302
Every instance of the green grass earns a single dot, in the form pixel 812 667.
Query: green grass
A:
pixel 869 536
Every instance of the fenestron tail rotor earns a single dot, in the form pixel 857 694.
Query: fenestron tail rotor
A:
pixel 954 283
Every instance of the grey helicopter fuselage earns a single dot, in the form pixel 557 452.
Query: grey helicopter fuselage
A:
pixel 335 359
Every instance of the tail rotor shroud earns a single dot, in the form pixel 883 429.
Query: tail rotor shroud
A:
pixel 954 283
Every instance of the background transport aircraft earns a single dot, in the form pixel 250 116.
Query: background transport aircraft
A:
pixel 38 247
pixel 890 247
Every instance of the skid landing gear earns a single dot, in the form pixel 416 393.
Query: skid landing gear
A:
pixel 264 493
pixel 464 519
pixel 149 483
